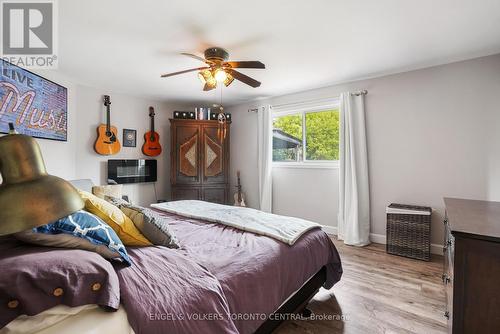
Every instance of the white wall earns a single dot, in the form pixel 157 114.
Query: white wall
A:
pixel 314 197
pixel 129 113
pixel 431 133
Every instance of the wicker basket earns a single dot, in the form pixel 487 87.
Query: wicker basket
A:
pixel 409 231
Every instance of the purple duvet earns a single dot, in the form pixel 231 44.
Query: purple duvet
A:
pixel 221 280
pixel 34 279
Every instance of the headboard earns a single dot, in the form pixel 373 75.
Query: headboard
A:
pixel 83 184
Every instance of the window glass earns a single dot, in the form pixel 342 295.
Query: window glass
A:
pixel 287 138
pixel 322 135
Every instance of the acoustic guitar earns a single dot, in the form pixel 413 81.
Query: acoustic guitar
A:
pixel 151 145
pixel 107 141
pixel 239 198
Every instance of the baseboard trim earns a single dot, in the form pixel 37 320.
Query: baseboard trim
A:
pixel 378 238
pixel 331 230
pixel 381 239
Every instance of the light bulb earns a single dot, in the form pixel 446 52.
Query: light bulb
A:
pixel 220 75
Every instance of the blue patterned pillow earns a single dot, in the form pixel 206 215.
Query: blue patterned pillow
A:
pixel 79 230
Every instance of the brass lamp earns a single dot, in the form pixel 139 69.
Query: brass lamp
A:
pixel 29 197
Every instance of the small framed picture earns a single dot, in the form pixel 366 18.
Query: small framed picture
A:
pixel 129 138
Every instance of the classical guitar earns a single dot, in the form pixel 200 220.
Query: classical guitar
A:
pixel 239 198
pixel 107 141
pixel 151 145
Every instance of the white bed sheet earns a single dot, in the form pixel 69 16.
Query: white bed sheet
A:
pixel 87 319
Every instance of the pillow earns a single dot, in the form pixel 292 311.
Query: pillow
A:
pixel 118 202
pixel 114 190
pixel 118 221
pixel 81 230
pixel 34 279
pixel 151 224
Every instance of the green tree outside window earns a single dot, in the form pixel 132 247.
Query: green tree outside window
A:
pixel 321 136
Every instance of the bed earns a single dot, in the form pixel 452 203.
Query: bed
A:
pixel 220 280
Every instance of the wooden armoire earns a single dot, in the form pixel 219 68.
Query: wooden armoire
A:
pixel 199 161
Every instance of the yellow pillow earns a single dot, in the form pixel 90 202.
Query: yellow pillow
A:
pixel 114 217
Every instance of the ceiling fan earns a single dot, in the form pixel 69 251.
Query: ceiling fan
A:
pixel 218 69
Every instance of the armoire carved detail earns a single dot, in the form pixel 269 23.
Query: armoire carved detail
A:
pixel 187 156
pixel 214 157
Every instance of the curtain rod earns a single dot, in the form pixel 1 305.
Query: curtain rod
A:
pixel 358 93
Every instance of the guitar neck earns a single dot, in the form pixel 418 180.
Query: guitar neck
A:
pixel 108 118
pixel 107 103
pixel 152 116
pixel 239 188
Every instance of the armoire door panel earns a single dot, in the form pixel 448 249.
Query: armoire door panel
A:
pixel 214 162
pixel 187 155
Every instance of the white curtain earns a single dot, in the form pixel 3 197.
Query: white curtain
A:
pixel 265 146
pixel 354 206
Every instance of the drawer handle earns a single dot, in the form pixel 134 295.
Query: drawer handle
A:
pixel 445 221
pixel 447 315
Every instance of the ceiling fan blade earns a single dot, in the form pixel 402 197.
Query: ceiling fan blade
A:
pixel 244 78
pixel 193 56
pixel 185 71
pixel 246 64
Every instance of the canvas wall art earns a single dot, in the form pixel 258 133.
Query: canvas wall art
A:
pixel 38 107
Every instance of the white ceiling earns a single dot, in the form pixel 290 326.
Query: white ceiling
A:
pixel 124 45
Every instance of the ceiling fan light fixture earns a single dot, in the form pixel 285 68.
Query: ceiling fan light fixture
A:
pixel 229 79
pixel 207 79
pixel 220 75
pixel 212 82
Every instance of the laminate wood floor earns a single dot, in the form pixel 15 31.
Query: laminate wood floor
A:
pixel 378 293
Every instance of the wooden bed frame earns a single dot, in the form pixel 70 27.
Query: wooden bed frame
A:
pixel 296 303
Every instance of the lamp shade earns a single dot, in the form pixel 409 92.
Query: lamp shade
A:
pixel 29 197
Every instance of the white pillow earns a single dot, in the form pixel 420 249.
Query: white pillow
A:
pixel 113 190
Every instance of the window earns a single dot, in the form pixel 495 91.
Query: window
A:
pixel 306 136
pixel 287 138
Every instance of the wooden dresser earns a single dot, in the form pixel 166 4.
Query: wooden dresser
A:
pixel 199 161
pixel 472 266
